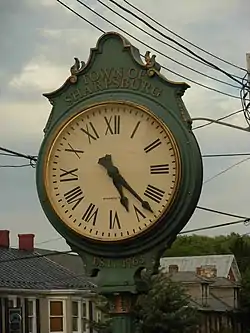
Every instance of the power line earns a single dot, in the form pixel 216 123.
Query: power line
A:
pixel 15 153
pixel 175 42
pixel 15 166
pixel 226 170
pixel 244 220
pixel 49 240
pixel 36 256
pixel 169 70
pixel 226 155
pixel 223 213
pixel 221 118
pixel 161 41
pixel 212 227
pixel 185 40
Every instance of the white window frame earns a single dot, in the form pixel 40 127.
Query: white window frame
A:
pixel 80 302
pixel 63 300
pixel 14 300
pixel 84 301
pixel 33 316
pixel 79 308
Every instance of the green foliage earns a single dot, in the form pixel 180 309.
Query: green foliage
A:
pixel 165 308
pixel 233 243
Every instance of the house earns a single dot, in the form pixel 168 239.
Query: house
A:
pixel 213 282
pixel 40 295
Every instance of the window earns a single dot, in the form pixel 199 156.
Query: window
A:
pixel 56 316
pixel 12 302
pixel 84 316
pixel 31 315
pixel 75 316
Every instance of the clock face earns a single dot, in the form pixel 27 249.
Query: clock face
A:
pixel 112 171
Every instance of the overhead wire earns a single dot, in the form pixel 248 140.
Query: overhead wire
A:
pixel 145 44
pixel 175 42
pixel 161 41
pixel 227 224
pixel 218 119
pixel 210 210
pixel 226 155
pixel 182 38
pixel 15 166
pixel 54 253
pixel 225 170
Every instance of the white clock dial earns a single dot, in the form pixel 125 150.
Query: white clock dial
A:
pixel 112 171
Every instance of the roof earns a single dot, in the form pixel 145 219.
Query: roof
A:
pixel 40 273
pixel 214 303
pixel 73 262
pixel 223 264
pixel 193 277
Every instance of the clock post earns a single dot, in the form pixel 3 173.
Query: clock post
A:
pixel 119 171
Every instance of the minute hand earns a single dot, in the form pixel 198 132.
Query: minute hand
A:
pixel 145 204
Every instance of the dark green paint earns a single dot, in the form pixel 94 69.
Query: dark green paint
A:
pixel 117 267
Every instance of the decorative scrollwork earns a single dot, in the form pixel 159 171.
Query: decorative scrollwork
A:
pixel 151 64
pixel 75 69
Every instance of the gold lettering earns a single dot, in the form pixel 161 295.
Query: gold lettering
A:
pixel 156 92
pixel 136 84
pixel 97 86
pixel 106 72
pixel 87 90
pixel 113 78
pixel 142 73
pixel 146 86
pixel 133 73
pixel 125 83
pixel 118 73
pixel 76 94
pixel 94 76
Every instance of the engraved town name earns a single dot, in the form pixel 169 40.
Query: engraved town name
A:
pixel 119 263
pixel 113 78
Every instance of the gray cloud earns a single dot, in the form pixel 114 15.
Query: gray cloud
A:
pixel 37 48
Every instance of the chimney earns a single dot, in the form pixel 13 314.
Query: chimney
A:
pixel 26 242
pixel 209 271
pixel 198 271
pixel 173 269
pixel 4 238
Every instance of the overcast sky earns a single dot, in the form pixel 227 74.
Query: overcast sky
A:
pixel 38 41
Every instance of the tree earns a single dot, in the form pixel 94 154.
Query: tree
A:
pixel 164 308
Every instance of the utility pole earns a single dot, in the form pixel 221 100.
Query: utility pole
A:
pixel 248 71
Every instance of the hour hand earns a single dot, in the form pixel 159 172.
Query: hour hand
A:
pixel 113 173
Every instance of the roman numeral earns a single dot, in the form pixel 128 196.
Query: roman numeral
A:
pixel 152 145
pixel 90 214
pixel 134 130
pixel 68 175
pixel 114 220
pixel 74 196
pixel 139 214
pixel 154 193
pixel 113 125
pixel 91 132
pixel 159 169
pixel 75 151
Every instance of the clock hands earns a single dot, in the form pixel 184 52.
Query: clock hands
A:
pixel 120 182
pixel 113 173
pixel 144 204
